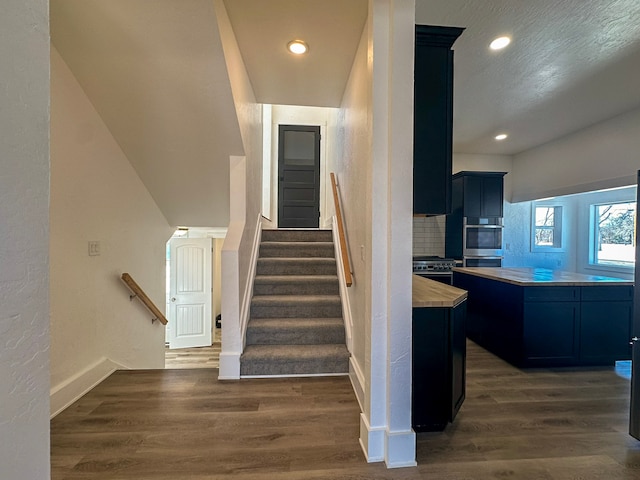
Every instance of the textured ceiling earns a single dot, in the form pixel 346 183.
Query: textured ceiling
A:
pixel 572 63
pixel 331 28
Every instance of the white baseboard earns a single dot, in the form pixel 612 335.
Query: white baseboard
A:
pixel 67 392
pixel 400 449
pixel 357 380
pixel 248 288
pixel 371 440
pixel 229 366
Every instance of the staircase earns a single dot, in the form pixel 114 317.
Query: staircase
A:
pixel 295 324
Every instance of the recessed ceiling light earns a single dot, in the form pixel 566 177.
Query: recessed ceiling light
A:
pixel 499 43
pixel 297 46
pixel 502 136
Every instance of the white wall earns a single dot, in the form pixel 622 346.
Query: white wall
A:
pixel 326 119
pixel 353 170
pixel 24 237
pixel 374 166
pixel 96 195
pixel 239 247
pixel 602 156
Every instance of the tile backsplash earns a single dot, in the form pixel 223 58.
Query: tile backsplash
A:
pixel 428 235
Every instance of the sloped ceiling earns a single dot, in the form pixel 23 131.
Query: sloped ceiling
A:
pixel 155 72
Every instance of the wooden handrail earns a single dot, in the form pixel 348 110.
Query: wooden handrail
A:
pixel 346 265
pixel 138 292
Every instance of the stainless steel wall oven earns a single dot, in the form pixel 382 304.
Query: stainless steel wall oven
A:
pixel 482 237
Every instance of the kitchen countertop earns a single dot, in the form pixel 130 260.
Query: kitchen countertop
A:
pixel 541 276
pixel 429 293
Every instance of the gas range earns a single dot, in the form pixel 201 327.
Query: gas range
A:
pixel 432 264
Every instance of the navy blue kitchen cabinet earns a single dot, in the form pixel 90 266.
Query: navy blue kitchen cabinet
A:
pixel 547 325
pixel 439 363
pixel 433 119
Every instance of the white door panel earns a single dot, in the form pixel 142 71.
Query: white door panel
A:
pixel 190 293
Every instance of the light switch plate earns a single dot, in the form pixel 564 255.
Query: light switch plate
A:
pixel 94 248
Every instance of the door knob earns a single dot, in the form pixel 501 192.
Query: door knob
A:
pixel 173 299
pixel 634 340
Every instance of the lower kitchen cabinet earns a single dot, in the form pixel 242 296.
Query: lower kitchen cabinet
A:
pixel 439 364
pixel 547 326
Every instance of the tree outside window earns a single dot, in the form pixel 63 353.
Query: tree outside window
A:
pixel 613 234
pixel 547 227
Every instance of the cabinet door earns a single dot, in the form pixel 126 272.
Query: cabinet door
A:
pixel 605 330
pixel 550 333
pixel 472 196
pixel 433 120
pixel 431 389
pixel 492 197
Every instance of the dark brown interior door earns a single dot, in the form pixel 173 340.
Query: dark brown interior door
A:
pixel 298 176
pixel 634 417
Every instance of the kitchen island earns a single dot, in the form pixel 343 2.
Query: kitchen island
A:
pixel 534 317
pixel 439 354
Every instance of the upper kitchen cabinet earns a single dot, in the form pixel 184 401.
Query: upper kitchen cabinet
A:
pixel 481 194
pixel 433 119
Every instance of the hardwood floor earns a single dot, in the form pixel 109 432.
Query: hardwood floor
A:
pixel 184 424
pixel 200 357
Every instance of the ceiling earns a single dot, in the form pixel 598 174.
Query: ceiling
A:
pixel 572 63
pixel 155 71
pixel 331 28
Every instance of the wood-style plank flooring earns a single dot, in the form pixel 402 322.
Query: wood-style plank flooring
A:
pixel 198 357
pixel 184 424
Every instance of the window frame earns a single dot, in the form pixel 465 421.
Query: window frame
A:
pixel 557 228
pixel 592 262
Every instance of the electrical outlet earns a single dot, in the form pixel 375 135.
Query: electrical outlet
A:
pixel 94 248
pixel 362 252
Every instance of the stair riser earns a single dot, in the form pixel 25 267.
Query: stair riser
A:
pixel 266 267
pixel 326 288
pixel 296 311
pixel 297 367
pixel 262 336
pixel 297 251
pixel 297 236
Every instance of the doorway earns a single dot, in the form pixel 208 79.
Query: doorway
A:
pixel 298 176
pixel 189 295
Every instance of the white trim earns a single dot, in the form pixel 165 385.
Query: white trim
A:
pixel 70 390
pixel 248 288
pixel 400 449
pixel 229 366
pixel 297 375
pixel 357 380
pixel 372 440
pixel 344 293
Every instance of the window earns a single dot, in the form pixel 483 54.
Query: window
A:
pixel 546 229
pixel 613 234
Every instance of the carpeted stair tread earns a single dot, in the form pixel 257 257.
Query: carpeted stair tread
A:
pixel 296 285
pixel 296 266
pixel 297 249
pixel 295 331
pixel 294 359
pixel 302 300
pixel 287 235
pixel 306 306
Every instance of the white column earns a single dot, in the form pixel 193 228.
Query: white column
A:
pixel 24 240
pixel 386 432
